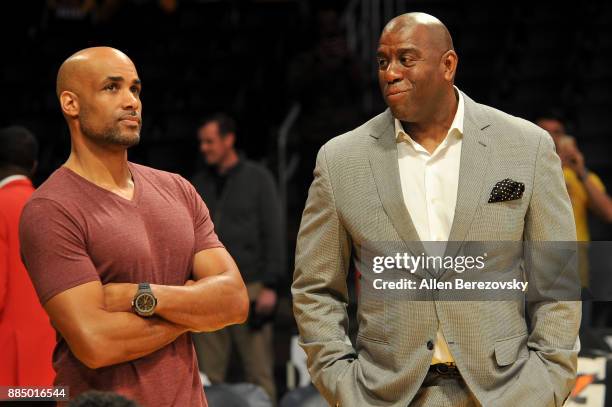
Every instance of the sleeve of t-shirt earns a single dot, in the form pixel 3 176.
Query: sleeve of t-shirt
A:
pixel 600 185
pixel 53 249
pixel 4 259
pixel 204 229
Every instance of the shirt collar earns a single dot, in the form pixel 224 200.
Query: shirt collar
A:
pixel 11 178
pixel 457 124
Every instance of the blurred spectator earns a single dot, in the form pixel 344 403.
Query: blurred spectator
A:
pixel 244 206
pixel 26 337
pixel 101 399
pixel 585 189
pixel 586 192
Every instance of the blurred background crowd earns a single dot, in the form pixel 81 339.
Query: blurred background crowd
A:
pixel 257 86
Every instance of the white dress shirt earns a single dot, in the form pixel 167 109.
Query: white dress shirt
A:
pixel 429 186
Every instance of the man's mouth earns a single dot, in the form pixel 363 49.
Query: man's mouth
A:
pixel 393 92
pixel 131 118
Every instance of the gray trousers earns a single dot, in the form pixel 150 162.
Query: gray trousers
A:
pixel 254 348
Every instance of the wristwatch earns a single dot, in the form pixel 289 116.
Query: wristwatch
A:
pixel 144 301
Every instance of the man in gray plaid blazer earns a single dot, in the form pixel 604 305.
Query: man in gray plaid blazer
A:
pixel 435 166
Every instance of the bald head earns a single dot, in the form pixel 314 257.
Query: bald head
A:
pixel 99 93
pixel 85 64
pixel 433 30
pixel 416 68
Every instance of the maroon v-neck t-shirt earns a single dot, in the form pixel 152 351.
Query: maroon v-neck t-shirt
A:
pixel 73 232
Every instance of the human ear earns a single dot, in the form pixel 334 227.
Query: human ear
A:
pixel 69 103
pixel 449 64
pixel 230 139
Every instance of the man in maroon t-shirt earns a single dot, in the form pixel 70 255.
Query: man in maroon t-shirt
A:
pixel 124 258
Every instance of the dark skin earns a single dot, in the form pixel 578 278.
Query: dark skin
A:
pixel 416 71
pixel 99 92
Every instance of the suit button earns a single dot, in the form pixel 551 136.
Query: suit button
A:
pixel 430 345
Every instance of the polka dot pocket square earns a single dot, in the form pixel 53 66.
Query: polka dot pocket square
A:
pixel 506 190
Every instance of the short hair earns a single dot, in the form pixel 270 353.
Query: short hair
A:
pixel 18 148
pixel 225 122
pixel 550 114
pixel 94 398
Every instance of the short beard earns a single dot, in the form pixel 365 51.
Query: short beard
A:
pixel 109 136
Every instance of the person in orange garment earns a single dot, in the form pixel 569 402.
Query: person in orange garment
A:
pixel 26 336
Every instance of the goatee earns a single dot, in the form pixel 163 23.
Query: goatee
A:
pixel 111 136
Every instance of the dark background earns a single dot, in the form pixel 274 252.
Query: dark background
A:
pixel 254 59
pixel 258 59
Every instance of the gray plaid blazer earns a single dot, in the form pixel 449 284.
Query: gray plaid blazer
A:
pixel 356 197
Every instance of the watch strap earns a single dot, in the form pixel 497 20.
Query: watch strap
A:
pixel 144 287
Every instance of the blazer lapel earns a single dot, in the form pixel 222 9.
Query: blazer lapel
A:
pixel 475 155
pixel 385 168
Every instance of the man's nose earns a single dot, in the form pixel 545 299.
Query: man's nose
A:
pixel 392 74
pixel 131 101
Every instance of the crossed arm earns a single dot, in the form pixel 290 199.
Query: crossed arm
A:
pixel 218 289
pixel 101 330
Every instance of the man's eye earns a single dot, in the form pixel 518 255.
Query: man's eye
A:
pixel 111 86
pixel 135 90
pixel 407 61
pixel 381 62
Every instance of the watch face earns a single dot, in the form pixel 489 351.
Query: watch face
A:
pixel 145 303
